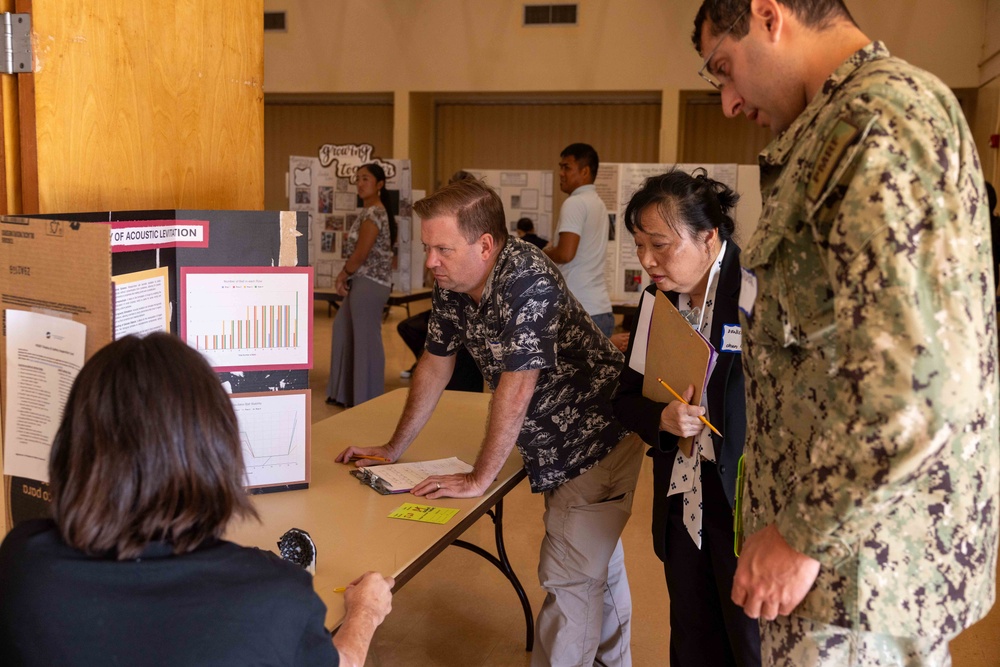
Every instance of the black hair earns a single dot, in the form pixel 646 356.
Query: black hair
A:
pixel 585 156
pixel 525 225
pixel 694 200
pixel 816 14
pixel 378 172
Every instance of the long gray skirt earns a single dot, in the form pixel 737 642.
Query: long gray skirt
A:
pixel 357 359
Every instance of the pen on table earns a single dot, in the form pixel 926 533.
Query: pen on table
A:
pixel 678 397
pixel 358 457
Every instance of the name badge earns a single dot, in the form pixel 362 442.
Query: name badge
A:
pixel 748 291
pixel 732 338
pixel 496 349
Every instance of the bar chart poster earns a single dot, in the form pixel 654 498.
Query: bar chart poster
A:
pixel 248 318
pixel 274 434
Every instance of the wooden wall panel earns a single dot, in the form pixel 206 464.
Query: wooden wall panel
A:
pixel 531 135
pixel 300 128
pixel 149 104
pixel 708 136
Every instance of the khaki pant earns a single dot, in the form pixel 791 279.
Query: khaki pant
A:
pixel 586 616
pixel 793 641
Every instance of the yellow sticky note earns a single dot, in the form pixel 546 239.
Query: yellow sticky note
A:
pixel 425 513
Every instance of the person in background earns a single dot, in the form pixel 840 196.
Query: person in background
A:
pixel 413 331
pixel 526 230
pixel 582 235
pixel 872 503
pixel 357 358
pixel 553 374
pixel 146 472
pixel 683 230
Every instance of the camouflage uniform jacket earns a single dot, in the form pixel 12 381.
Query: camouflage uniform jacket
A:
pixel 870 354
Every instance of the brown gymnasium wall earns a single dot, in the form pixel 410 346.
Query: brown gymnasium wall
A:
pixel 530 135
pixel 301 127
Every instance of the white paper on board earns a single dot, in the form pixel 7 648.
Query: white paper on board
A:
pixel 637 361
pixel 44 356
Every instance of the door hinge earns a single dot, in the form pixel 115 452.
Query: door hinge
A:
pixel 16 44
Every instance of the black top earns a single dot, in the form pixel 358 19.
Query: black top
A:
pixel 221 604
pixel 527 319
pixel 532 237
pixel 726 401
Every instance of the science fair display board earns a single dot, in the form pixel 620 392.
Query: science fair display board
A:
pixel 233 284
pixel 524 193
pixel 325 188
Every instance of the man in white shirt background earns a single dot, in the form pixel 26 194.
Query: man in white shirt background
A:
pixel 582 235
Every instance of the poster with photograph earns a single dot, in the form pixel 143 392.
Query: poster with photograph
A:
pixel 325 186
pixel 525 194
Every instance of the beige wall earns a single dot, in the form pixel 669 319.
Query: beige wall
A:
pixel 472 45
pixel 417 49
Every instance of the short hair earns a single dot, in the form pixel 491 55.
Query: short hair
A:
pixel 461 175
pixel 693 201
pixel 525 225
pixel 816 14
pixel 475 205
pixel 585 156
pixel 148 450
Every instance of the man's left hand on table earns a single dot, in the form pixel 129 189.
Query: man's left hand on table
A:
pixel 450 486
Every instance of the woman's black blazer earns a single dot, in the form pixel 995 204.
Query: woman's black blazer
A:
pixel 726 401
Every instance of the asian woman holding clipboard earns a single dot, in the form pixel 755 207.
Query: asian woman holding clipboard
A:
pixel 683 231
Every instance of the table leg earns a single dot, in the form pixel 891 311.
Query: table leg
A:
pixel 503 564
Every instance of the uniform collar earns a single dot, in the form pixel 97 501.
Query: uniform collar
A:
pixel 584 188
pixel 777 152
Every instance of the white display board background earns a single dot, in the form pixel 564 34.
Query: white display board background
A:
pixel 329 195
pixel 525 194
pixel 617 182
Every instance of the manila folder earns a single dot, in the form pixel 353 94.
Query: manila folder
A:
pixel 678 354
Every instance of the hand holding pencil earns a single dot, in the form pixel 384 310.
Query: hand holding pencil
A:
pixel 364 456
pixel 680 417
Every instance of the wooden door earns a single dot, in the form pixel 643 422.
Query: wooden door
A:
pixel 134 105
pixel 137 105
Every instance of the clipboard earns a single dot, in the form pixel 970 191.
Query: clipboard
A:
pixel 401 477
pixel 679 354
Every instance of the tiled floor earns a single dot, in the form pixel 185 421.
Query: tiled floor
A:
pixel 460 611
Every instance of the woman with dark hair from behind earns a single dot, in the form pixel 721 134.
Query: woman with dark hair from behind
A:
pixel 146 472
pixel 357 358
pixel 683 228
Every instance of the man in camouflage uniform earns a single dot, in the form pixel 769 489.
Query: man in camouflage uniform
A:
pixel 871 503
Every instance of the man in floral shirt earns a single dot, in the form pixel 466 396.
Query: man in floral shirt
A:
pixel 553 374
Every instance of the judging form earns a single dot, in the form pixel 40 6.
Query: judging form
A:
pixel 44 355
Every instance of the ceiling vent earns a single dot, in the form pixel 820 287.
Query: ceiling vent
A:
pixel 550 14
pixel 274 21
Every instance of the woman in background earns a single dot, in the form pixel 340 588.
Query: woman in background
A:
pixel 683 231
pixel 146 471
pixel 357 358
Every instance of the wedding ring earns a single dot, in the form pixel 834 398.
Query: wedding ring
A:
pixel 439 486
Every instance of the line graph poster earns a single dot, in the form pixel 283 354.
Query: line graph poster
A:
pixel 274 433
pixel 248 318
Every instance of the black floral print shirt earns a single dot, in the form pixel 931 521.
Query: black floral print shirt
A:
pixel 527 319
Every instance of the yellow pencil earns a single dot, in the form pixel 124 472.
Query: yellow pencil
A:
pixel 678 397
pixel 358 457
pixel 340 589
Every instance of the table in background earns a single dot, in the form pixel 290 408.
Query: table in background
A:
pixel 403 299
pixel 349 521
